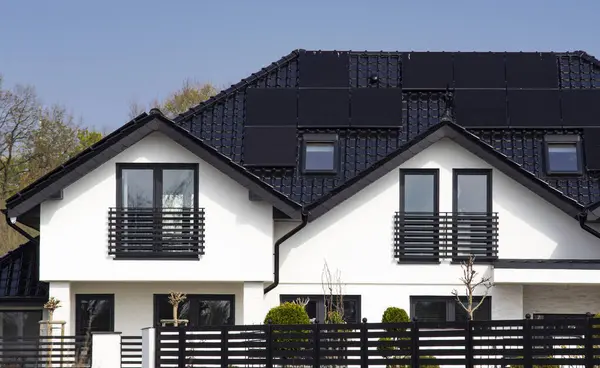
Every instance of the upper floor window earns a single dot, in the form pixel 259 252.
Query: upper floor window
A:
pixel 563 154
pixel 157 185
pixel 419 191
pixel 320 153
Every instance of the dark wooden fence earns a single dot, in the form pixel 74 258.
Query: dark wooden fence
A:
pixel 45 351
pixel 131 351
pixel 511 343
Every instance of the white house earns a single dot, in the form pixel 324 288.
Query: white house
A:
pixel 389 167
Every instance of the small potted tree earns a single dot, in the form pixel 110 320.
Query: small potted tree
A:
pixel 175 298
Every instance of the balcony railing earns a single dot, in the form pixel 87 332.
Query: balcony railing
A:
pixel 429 237
pixel 155 232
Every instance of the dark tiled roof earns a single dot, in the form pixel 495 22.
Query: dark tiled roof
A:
pixel 19 275
pixel 220 123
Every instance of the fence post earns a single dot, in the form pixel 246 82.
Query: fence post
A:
pixel 469 343
pixel 414 354
pixel 224 346
pixel 316 346
pixel 182 346
pixel 269 337
pixel 527 343
pixel 589 340
pixel 150 353
pixel 364 344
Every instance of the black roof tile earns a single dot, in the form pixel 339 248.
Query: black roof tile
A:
pixel 19 275
pixel 220 124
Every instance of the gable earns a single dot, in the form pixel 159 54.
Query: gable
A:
pixel 124 137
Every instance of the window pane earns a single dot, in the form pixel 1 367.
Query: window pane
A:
pixel 178 188
pixel 20 323
pixel 165 309
pixel 137 188
pixel 419 193
pixel 94 313
pixel 319 157
pixel 562 157
pixel 351 311
pixel 215 312
pixel 431 310
pixel 472 193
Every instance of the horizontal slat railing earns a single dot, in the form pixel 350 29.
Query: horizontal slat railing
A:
pixel 45 351
pixel 155 232
pixel 527 343
pixel 131 351
pixel 429 237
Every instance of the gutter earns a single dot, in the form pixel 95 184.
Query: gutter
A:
pixel 18 229
pixel 582 217
pixel 276 252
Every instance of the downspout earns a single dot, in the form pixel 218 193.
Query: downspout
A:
pixel 276 251
pixel 18 229
pixel 582 217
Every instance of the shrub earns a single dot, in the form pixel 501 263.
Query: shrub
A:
pixel 334 317
pixel 395 315
pixel 288 314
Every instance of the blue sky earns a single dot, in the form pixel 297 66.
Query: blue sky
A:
pixel 96 56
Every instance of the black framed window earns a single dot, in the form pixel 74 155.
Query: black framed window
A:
pixel 419 191
pixel 316 306
pixel 447 309
pixel 94 313
pixel 198 309
pixel 20 323
pixel 563 155
pixel 320 153
pixel 157 186
pixel 472 191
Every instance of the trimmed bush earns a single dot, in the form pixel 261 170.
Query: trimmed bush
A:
pixel 334 318
pixel 288 314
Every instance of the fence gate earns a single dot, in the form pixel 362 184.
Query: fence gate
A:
pixel 131 352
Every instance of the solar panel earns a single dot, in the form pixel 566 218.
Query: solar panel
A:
pixel 591 144
pixel 270 146
pixel 376 107
pixel 479 70
pixel 324 69
pixel 531 70
pixel 580 108
pixel 427 70
pixel 476 108
pixel 272 106
pixel 534 108
pixel 324 108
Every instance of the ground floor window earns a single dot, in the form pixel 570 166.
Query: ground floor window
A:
pixel 199 309
pixel 447 308
pixel 316 306
pixel 94 313
pixel 20 323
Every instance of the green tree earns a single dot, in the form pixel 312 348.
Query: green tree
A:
pixel 190 94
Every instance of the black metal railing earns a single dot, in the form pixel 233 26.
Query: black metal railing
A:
pixel 429 237
pixel 155 232
pixel 45 351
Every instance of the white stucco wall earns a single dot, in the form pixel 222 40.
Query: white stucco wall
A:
pixel 356 237
pixel 74 246
pixel 569 299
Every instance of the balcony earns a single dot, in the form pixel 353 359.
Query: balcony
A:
pixel 156 233
pixel 430 237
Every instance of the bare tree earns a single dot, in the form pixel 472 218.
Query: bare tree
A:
pixel 333 290
pixel 469 280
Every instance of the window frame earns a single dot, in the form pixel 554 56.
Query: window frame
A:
pixel 309 138
pixel 451 305
pixel 78 316
pixel 22 309
pixel 436 186
pixel 474 172
pixel 564 139
pixel 157 170
pixel 194 298
pixel 321 303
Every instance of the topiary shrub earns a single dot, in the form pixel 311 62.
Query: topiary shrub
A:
pixel 388 344
pixel 395 315
pixel 288 314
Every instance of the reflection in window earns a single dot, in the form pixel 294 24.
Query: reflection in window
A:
pixel 563 158
pixel 95 313
pixel 199 310
pixel 442 309
pixel 19 331
pixel 319 156
pixel 316 309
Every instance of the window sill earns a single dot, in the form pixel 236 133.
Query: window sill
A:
pixel 157 256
